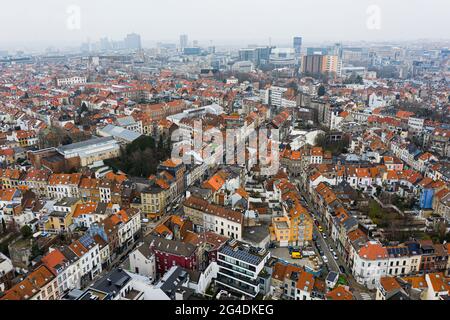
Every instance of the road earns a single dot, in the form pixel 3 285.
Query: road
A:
pixel 333 265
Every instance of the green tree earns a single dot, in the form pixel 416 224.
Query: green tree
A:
pixel 26 232
pixel 36 251
pixel 3 225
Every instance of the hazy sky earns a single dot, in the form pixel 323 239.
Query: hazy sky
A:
pixel 25 23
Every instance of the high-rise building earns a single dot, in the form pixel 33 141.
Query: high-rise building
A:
pixel 321 64
pixel 183 41
pixel 298 45
pixel 133 41
pixel 283 57
pixel 257 55
pixel 312 64
pixel 247 55
pixel 105 45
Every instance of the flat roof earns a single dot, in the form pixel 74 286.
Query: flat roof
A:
pixel 84 144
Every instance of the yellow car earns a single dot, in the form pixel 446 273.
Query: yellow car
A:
pixel 320 229
pixel 296 255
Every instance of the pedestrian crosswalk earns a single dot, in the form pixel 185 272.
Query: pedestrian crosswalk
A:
pixel 365 296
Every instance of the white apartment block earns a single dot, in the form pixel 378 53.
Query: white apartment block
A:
pixel 70 81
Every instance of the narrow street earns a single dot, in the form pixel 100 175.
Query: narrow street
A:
pixel 326 244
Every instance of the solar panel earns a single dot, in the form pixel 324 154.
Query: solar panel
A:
pixel 242 255
pixel 86 240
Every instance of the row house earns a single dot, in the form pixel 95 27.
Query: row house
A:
pixel 210 217
pixel 154 198
pixel 86 214
pixel 64 268
pixel 293 282
pixel 169 253
pixel 89 189
pixel 40 284
pixel 119 230
pixel 37 180
pixel 10 178
pixel 64 185
pixel 88 264
pixel 295 226
pixel 176 169
pixel 25 138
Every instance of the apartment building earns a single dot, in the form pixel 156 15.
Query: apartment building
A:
pixel 210 217
pixel 240 266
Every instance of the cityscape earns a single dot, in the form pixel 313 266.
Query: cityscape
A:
pixel 187 169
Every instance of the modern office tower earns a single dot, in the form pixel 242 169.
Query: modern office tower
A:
pixel 298 45
pixel 248 54
pixel 336 50
pixel 133 41
pixel 183 41
pixel 263 55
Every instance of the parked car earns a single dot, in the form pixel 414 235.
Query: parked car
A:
pixel 325 259
pixel 342 269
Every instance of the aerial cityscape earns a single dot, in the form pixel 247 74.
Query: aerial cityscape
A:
pixel 167 164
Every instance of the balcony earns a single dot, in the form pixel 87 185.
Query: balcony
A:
pixel 236 286
pixel 238 276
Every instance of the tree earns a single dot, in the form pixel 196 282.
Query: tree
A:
pixel 36 251
pixel 321 140
pixel 442 230
pixel 26 232
pixel 141 157
pixel 359 80
pixel 3 225
pixel 321 91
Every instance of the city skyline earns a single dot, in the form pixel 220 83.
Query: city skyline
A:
pixel 68 24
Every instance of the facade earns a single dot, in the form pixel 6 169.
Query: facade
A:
pixel 370 264
pixel 70 81
pixel 210 217
pixel 143 261
pixel 239 268
pixel 169 253
pixel 92 150
pixel 40 284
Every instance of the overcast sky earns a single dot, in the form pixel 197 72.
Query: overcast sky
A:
pixel 25 23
